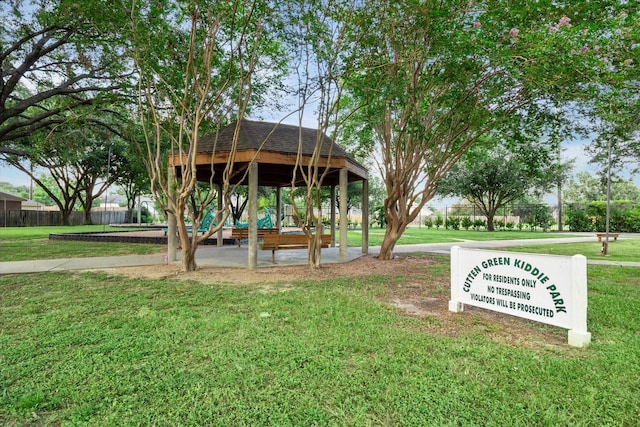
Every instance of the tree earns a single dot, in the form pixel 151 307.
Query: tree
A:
pixel 586 188
pixel 240 198
pixel 201 65
pixel 617 144
pixel 613 108
pixel 437 76
pixel 18 190
pixel 321 43
pixel 41 196
pixel 56 57
pixel 132 177
pixel 75 156
pixel 491 180
pixel 102 165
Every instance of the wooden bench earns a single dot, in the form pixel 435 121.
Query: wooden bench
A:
pixel 241 234
pixel 274 242
pixel 600 236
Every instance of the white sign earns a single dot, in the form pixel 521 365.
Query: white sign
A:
pixel 546 288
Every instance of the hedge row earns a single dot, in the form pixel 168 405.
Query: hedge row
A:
pixel 624 216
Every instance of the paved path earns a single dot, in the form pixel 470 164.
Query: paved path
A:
pixel 232 256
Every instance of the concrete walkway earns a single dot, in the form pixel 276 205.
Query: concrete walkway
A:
pixel 232 256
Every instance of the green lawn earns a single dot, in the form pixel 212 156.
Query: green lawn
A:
pixel 20 233
pixel 621 250
pixel 26 243
pixel 424 235
pixel 95 349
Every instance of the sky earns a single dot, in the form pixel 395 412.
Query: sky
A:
pixel 13 176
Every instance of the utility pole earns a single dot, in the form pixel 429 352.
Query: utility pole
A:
pixel 605 243
pixel 558 141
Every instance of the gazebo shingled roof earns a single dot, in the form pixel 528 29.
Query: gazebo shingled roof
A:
pixel 274 147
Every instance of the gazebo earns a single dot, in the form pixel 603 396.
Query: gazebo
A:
pixel 266 154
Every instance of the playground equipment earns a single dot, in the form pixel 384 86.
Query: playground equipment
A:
pixel 204 226
pixel 265 222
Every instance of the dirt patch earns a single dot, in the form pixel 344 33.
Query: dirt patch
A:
pixel 363 266
pixel 411 286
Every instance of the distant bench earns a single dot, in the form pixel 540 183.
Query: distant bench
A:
pixel 241 234
pixel 601 235
pixel 274 242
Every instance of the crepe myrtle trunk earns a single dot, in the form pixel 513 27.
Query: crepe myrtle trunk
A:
pixel 189 245
pixel 391 236
pixel 314 254
pixel 395 227
pixel 315 250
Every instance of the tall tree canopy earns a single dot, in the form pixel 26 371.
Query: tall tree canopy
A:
pixel 436 76
pixel 55 57
pixel 585 188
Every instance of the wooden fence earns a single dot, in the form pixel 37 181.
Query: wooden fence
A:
pixel 33 218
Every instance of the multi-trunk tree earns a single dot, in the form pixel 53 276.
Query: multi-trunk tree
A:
pixel 437 76
pixel 320 35
pixel 201 65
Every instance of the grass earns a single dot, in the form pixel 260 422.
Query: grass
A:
pixel 95 349
pixel 424 235
pixel 27 243
pixel 620 250
pixel 18 233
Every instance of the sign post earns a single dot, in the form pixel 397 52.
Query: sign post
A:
pixel 546 288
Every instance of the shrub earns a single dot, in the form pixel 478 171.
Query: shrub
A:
pixel 539 216
pixel 378 217
pixel 479 223
pixel 632 219
pixel 428 223
pixel 453 222
pixel 438 222
pixel 623 216
pixel 578 220
pixel 466 223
